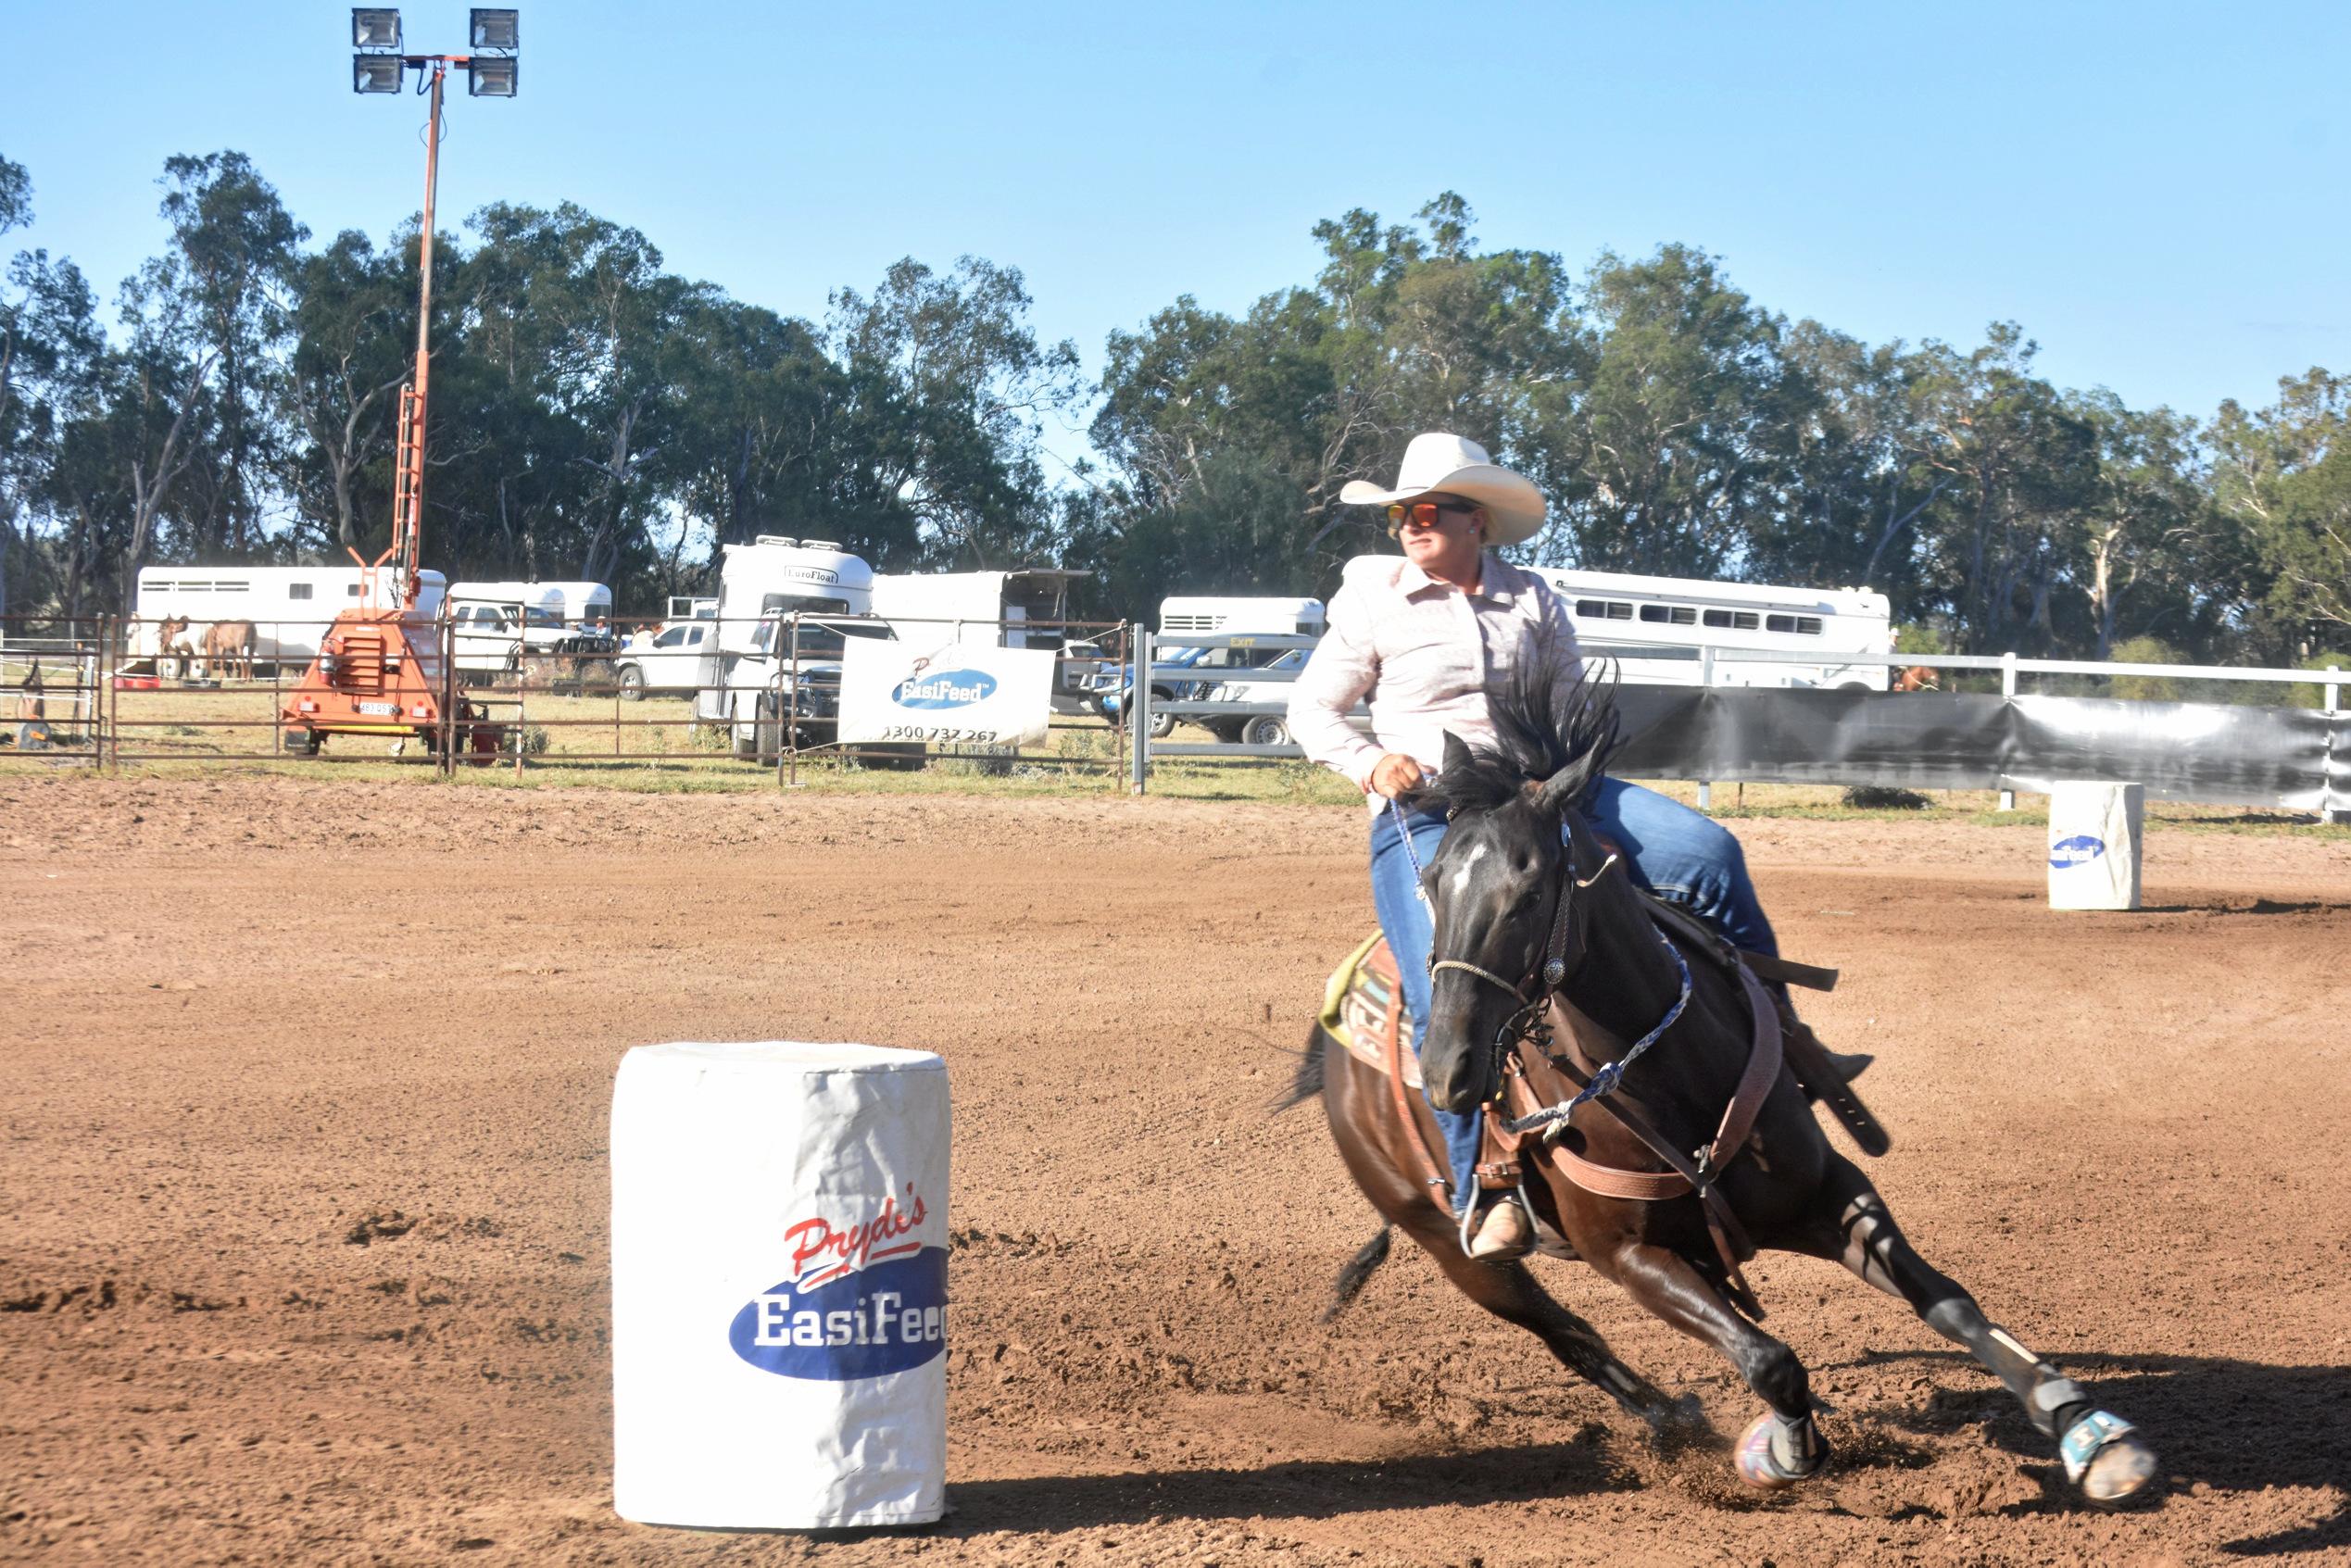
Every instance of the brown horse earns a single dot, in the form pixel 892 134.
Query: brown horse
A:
pixel 171 642
pixel 1918 678
pixel 228 649
pixel 1604 974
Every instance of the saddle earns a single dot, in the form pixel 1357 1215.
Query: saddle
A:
pixel 1362 1010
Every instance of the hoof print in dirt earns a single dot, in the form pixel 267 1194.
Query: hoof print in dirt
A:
pixel 378 1225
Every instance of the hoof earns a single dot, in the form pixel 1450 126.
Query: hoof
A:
pixel 1760 1468
pixel 2121 1475
pixel 2106 1461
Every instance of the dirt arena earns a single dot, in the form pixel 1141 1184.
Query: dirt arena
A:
pixel 305 1248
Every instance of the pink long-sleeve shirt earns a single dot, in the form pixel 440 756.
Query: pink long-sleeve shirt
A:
pixel 1426 654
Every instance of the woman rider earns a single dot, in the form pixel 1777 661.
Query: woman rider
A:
pixel 1424 637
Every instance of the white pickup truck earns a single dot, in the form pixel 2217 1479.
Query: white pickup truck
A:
pixel 665 658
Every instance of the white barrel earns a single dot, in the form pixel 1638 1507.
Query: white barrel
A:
pixel 779 1286
pixel 2094 844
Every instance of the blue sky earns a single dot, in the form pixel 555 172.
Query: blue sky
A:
pixel 2156 191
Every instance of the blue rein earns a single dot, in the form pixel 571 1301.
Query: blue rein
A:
pixel 1611 1074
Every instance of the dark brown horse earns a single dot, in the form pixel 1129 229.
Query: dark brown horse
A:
pixel 1518 844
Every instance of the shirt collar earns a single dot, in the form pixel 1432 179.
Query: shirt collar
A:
pixel 1498 580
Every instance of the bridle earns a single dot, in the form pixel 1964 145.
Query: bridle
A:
pixel 1530 1024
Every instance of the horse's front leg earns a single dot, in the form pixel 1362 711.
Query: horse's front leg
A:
pixel 2100 1454
pixel 1778 1449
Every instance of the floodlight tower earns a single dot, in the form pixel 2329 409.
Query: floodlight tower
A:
pixel 380 67
pixel 381 668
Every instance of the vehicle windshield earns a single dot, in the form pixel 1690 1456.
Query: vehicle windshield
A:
pixel 819 639
pixel 535 616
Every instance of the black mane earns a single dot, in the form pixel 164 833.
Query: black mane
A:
pixel 1540 728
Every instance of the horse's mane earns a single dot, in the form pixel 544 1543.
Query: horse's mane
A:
pixel 1541 727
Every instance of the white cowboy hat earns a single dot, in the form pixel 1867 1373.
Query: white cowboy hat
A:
pixel 1452 465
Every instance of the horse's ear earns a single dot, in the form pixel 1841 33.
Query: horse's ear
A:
pixel 1457 759
pixel 1566 788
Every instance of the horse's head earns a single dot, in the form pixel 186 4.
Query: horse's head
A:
pixel 1496 884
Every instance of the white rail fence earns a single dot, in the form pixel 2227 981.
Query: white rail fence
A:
pixel 1177 689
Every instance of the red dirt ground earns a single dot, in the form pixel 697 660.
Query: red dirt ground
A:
pixel 305 1249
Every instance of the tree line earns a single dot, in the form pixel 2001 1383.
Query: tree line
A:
pixel 595 415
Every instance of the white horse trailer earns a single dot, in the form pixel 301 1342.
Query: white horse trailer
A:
pixel 747 669
pixel 290 606
pixel 572 604
pixel 989 609
pixel 497 624
pixel 1240 614
pixel 1624 616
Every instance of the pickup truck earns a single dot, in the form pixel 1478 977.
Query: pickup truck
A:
pixel 1254 729
pixel 1107 690
pixel 668 658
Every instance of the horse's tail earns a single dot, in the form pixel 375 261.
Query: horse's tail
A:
pixel 1358 1271
pixel 1306 1085
pixel 1307 1082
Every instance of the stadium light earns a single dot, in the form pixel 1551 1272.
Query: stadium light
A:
pixel 490 77
pixel 375 27
pixel 497 30
pixel 376 73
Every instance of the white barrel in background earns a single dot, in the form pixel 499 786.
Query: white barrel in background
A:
pixel 779 1286
pixel 2094 844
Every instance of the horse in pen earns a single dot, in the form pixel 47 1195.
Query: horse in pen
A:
pixel 1552 976
pixel 228 649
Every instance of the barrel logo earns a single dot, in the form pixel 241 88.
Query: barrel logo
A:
pixel 944 688
pixel 2081 849
pixel 865 1297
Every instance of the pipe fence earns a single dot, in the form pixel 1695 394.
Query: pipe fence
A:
pixel 705 694
pixel 722 695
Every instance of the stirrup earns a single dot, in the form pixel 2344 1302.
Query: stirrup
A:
pixel 1501 1233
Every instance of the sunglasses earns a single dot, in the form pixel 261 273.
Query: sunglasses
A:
pixel 1422 514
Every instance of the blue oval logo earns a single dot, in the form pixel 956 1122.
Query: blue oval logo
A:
pixel 888 1317
pixel 2078 850
pixel 944 688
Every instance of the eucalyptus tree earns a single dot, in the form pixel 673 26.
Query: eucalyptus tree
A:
pixel 948 376
pixel 56 366
pixel 2159 558
pixel 228 276
pixel 354 330
pixel 2284 472
pixel 1998 543
pixel 1686 436
pixel 1229 439
pixel 1859 486
pixel 17 352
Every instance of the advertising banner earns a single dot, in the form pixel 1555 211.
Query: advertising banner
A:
pixel 2208 752
pixel 945 693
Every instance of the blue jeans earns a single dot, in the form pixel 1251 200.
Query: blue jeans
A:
pixel 1679 853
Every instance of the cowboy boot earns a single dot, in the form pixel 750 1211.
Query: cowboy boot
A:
pixel 1816 1065
pixel 1502 1233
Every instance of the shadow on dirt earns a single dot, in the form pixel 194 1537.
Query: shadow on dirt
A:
pixel 2231 1426
pixel 1315 1489
pixel 2227 906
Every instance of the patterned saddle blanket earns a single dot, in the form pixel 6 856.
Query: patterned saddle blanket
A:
pixel 1363 1005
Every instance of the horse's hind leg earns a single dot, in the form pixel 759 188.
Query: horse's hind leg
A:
pixel 1778 1449
pixel 1509 1292
pixel 2101 1456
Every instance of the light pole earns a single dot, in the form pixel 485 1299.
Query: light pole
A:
pixel 379 66
pixel 383 668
